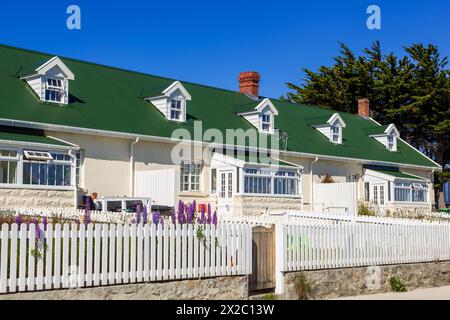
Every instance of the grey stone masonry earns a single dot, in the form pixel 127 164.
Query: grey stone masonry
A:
pixel 39 198
pixel 221 288
pixel 346 282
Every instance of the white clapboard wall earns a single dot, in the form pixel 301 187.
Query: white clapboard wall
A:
pixel 76 256
pixel 338 198
pixel 159 185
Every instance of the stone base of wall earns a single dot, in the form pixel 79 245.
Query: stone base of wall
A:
pixel 223 288
pixel 260 205
pixel 36 198
pixel 329 284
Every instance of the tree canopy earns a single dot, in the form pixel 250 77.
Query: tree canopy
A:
pixel 412 91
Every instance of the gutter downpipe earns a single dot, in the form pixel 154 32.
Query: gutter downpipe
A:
pixel 74 179
pixel 312 182
pixel 132 166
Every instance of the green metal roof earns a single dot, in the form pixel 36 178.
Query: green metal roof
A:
pixel 29 138
pixel 398 174
pixel 107 98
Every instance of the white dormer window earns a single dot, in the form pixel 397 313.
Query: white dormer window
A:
pixel 50 81
pixel 266 122
pixel 176 111
pixel 388 138
pixel 54 90
pixel 262 116
pixel 336 133
pixel 172 102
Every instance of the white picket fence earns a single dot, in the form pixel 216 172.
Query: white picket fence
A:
pixel 74 214
pixel 325 246
pixel 102 254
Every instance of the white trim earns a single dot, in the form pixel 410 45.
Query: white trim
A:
pixel 55 61
pixel 264 103
pixel 336 118
pixel 107 133
pixel 35 187
pixel 35 144
pixel 177 85
pixel 388 177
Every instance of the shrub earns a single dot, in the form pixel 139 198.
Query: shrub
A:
pixel 365 210
pixel 270 296
pixel 302 287
pixel 327 179
pixel 398 284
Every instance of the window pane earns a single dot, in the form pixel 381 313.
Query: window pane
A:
pixel 59 175
pixel 43 173
pixel 67 175
pixel 12 172
pixel 3 171
pixel 35 173
pixel 27 173
pixel 51 174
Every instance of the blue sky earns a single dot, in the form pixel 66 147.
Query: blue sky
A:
pixel 210 42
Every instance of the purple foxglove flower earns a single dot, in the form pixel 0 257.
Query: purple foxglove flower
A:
pixel 209 214
pixel 138 214
pixel 214 218
pixel 18 220
pixel 161 220
pixel 45 222
pixel 145 215
pixel 172 215
pixel 181 212
pixel 202 215
pixel 156 217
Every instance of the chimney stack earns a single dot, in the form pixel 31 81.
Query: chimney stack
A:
pixel 364 108
pixel 249 83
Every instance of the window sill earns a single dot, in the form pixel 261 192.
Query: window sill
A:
pixel 193 194
pixel 271 195
pixel 35 187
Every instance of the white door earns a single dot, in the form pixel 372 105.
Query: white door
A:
pixel 378 195
pixel 225 199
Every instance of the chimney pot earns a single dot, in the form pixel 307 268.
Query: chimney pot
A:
pixel 249 83
pixel 364 108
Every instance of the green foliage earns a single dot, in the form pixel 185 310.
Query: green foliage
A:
pixel 398 284
pixel 270 296
pixel 302 287
pixel 412 91
pixel 365 210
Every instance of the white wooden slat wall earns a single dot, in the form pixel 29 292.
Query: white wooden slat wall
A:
pixel 103 254
pixel 313 246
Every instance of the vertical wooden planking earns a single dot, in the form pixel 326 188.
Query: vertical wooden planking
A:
pixel 104 255
pixel 13 258
pixel 32 256
pixel 112 254
pixel 152 252
pixel 57 268
pixel 133 253
pixel 159 255
pixel 187 256
pixel 4 237
pixel 195 247
pixel 147 253
pixel 89 249
pixel 178 251
pixel 97 243
pixel 201 255
pixel 40 261
pixel 140 252
pixel 82 256
pixel 73 269
pixel 238 248
pixel 165 244
pixel 119 254
pixel 172 251
pixel 228 241
pixel 213 249
pixel 65 257
pixel 22 258
pixel 49 257
pixel 126 253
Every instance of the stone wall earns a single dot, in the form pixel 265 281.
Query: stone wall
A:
pixel 223 288
pixel 329 284
pixel 248 205
pixel 36 198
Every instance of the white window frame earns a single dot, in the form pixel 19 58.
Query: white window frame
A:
pixel 9 160
pixel 181 110
pixel 57 163
pixel 411 188
pixel 266 126
pixel 264 179
pixel 52 88
pixel 391 143
pixel 192 186
pixel 37 155
pixel 337 135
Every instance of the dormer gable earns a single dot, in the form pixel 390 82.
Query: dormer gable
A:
pixel 388 137
pixel 332 128
pixel 50 80
pixel 172 102
pixel 261 115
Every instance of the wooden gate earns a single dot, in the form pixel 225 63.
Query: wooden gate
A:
pixel 263 259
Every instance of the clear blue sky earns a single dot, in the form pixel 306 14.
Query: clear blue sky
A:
pixel 210 42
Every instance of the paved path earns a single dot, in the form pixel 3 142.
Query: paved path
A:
pixel 441 293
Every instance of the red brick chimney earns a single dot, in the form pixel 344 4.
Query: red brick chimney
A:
pixel 364 108
pixel 249 83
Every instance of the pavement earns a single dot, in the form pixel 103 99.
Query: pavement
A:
pixel 440 293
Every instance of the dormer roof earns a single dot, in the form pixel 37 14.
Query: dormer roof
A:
pixel 42 69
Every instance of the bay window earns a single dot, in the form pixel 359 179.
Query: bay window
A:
pixel 269 182
pixel 410 192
